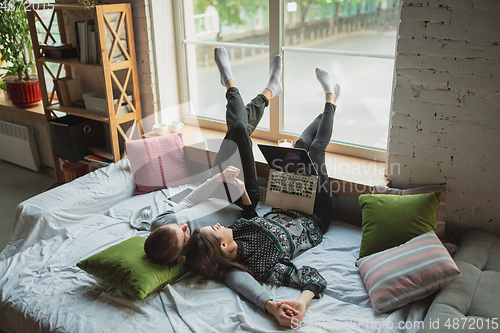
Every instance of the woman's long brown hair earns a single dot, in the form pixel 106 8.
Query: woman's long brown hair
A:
pixel 205 257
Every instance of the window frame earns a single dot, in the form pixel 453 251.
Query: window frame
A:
pixel 187 80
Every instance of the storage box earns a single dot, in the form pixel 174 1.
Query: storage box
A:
pixel 71 136
pixel 95 102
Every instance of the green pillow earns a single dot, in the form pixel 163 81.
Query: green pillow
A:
pixel 392 220
pixel 126 267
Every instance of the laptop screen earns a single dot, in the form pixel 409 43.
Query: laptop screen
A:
pixel 290 160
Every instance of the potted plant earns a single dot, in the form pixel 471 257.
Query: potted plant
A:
pixel 15 43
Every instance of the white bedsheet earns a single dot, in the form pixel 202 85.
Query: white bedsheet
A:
pixel 42 290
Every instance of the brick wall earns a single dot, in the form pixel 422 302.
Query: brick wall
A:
pixel 445 119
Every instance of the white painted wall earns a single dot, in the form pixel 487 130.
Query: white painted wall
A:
pixel 165 46
pixel 445 119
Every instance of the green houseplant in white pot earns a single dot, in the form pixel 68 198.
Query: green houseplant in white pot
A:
pixel 15 43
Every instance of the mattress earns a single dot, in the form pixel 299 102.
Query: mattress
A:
pixel 42 290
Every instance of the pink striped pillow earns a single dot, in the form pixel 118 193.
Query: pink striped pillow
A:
pixel 157 162
pixel 405 273
pixel 441 216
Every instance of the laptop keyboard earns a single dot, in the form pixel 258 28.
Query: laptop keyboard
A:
pixel 292 184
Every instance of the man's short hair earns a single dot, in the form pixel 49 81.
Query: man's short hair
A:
pixel 162 245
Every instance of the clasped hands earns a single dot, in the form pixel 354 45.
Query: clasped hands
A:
pixel 288 313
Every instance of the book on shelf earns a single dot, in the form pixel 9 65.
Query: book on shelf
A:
pixel 86 39
pixel 102 152
pixel 97 160
pixel 68 90
pixel 81 37
pixel 58 92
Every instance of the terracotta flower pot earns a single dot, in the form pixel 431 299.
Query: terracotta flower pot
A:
pixel 23 93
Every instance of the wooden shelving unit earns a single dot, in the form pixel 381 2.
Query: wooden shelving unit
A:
pixel 104 29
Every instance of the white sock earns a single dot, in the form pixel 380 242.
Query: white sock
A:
pixel 274 84
pixel 326 80
pixel 336 91
pixel 224 64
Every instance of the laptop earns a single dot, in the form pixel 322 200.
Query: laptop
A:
pixel 293 178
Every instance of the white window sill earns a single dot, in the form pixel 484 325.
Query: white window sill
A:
pixel 349 176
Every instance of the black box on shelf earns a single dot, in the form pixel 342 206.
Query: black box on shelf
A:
pixel 61 54
pixel 71 136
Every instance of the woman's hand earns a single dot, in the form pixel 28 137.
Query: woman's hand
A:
pixel 283 313
pixel 229 173
pixel 299 305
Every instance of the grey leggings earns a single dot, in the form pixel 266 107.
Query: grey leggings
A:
pixel 315 138
pixel 241 121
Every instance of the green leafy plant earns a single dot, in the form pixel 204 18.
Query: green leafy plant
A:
pixel 88 4
pixel 15 41
pixel 230 11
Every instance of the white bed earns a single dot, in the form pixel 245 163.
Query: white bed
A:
pixel 42 290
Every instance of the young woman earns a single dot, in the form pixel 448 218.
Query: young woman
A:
pixel 264 246
pixel 167 240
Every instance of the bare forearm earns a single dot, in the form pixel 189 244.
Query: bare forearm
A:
pixel 306 296
pixel 245 198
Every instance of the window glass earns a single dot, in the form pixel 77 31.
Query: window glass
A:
pixel 251 76
pixel 45 15
pixel 355 41
pixel 242 23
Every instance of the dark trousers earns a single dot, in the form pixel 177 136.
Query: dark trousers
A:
pixel 236 148
pixel 315 138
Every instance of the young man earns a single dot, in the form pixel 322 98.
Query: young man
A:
pixel 166 242
pixel 235 150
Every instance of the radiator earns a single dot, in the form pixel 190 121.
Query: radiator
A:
pixel 18 146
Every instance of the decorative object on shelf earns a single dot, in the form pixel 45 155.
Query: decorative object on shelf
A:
pixel 285 143
pixel 96 102
pixel 175 126
pixel 160 129
pixel 23 88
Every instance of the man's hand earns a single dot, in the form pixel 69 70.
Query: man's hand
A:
pixel 283 313
pixel 298 306
pixel 238 183
pixel 229 173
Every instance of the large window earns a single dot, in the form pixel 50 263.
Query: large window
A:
pixel 354 40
